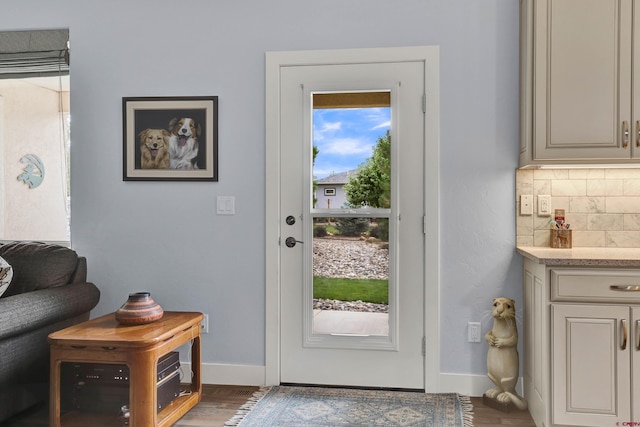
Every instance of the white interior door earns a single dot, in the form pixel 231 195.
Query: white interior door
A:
pixel 347 348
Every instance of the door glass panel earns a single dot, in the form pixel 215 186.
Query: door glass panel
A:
pixel 351 207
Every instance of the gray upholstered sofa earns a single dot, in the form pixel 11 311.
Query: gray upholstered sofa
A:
pixel 48 292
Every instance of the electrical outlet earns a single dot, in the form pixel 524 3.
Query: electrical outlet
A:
pixel 544 205
pixel 526 204
pixel 474 329
pixel 204 325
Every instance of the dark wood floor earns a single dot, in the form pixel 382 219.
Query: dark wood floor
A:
pixel 484 416
pixel 220 402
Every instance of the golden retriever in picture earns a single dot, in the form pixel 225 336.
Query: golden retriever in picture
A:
pixel 183 143
pixel 154 149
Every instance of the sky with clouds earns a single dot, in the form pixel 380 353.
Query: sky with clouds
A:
pixel 346 137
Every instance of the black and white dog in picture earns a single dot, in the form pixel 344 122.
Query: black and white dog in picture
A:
pixel 183 143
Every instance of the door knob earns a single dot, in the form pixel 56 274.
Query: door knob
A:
pixel 291 242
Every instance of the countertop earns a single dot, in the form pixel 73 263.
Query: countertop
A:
pixel 590 257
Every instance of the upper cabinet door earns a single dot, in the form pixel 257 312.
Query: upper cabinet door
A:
pixel 635 76
pixel 577 81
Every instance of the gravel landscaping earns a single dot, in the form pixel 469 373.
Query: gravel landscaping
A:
pixel 350 258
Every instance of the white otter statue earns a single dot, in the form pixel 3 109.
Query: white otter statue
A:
pixel 502 357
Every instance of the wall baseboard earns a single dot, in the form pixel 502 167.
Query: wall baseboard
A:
pixel 469 385
pixel 215 373
pixel 253 375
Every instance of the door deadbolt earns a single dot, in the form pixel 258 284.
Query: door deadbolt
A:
pixel 291 242
pixel 290 220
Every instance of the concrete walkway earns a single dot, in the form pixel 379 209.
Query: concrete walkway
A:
pixel 350 322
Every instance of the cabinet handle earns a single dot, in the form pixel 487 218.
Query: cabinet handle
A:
pixel 623 324
pixel 625 134
pixel 638 334
pixel 625 288
pixel 637 133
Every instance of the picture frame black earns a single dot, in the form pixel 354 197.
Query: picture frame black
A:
pixel 180 138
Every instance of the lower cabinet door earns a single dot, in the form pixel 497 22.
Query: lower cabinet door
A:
pixel 591 364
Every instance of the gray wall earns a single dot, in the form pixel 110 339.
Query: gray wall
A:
pixel 166 237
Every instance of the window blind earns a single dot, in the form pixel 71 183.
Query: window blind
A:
pixel 34 53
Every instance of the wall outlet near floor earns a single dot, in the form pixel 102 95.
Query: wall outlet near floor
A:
pixel 204 325
pixel 474 330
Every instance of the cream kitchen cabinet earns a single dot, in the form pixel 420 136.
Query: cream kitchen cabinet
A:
pixel 581 344
pixel 580 82
pixel 590 368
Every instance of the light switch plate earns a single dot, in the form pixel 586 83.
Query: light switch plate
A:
pixel 526 204
pixel 226 205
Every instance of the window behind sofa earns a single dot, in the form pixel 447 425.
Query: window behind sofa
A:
pixel 34 136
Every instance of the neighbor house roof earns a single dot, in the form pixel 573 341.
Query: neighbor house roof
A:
pixel 337 178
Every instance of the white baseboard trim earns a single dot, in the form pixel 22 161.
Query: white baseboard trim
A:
pixel 215 373
pixel 254 375
pixel 470 385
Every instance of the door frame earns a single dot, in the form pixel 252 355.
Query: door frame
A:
pixel 429 55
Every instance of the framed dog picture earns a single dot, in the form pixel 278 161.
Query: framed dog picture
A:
pixel 170 138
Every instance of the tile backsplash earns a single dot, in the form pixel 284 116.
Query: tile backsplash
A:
pixel 602 206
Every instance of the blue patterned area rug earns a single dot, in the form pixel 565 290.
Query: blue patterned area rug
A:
pixel 285 406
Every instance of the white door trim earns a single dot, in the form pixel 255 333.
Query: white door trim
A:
pixel 274 62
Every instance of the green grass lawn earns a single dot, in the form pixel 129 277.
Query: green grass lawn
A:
pixel 367 290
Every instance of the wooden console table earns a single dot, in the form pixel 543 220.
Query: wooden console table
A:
pixel 104 340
